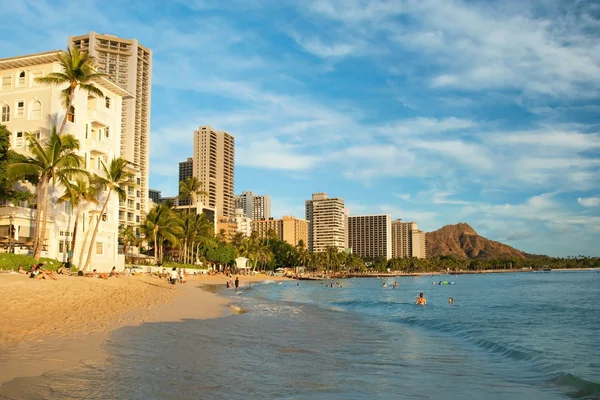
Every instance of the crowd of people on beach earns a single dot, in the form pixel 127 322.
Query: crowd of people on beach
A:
pixel 39 271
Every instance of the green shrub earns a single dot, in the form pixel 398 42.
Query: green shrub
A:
pixel 12 261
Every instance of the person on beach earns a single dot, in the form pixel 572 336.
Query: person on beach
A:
pixel 450 301
pixel 421 300
pixel 173 277
pixel 21 270
pixel 113 272
pixel 181 275
pixel 237 283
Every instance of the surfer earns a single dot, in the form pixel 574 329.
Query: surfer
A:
pixel 421 300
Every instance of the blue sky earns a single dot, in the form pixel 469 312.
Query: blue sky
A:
pixel 434 111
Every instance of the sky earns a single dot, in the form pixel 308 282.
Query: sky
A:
pixel 433 111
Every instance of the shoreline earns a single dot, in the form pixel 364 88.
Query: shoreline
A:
pixel 47 344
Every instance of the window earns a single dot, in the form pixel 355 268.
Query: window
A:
pixel 6 83
pixel 99 162
pixel 86 130
pixel 36 134
pixel 137 218
pixel 19 139
pixel 20 108
pixel 5 113
pixel 71 115
pixel 107 102
pixel 68 208
pixel 138 181
pixel 21 79
pixel 107 132
pixel 61 246
pixel 99 248
pixel 36 110
pixel 137 206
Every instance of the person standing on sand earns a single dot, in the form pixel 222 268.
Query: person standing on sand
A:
pixel 421 300
pixel 237 283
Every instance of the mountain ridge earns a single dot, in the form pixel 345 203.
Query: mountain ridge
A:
pixel 463 242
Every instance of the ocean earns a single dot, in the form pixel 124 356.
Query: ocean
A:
pixel 507 336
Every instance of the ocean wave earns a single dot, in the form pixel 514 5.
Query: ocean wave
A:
pixel 576 387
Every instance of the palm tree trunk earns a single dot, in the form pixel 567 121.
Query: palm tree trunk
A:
pixel 93 241
pixel 84 244
pixel 69 104
pixel 44 212
pixel 38 211
pixel 75 226
pixel 155 247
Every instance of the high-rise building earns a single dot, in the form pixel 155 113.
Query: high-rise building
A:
pixel 128 64
pixel 289 229
pixel 213 166
pixel 255 207
pixel 154 195
pixel 186 170
pixel 370 236
pixel 29 107
pixel 407 240
pixel 328 220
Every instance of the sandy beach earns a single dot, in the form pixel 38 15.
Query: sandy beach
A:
pixel 50 324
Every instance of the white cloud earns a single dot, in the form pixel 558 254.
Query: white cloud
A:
pixel 589 201
pixel 272 154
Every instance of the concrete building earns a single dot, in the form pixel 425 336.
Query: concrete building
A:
pixel 370 236
pixel 289 229
pixel 407 240
pixel 213 166
pixel 255 207
pixel 227 227
pixel 186 170
pixel 243 224
pixel 27 106
pixel 328 220
pixel 154 195
pixel 128 64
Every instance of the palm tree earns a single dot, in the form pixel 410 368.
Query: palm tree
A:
pixel 161 225
pixel 53 160
pixel 115 178
pixel 189 189
pixel 77 192
pixel 127 236
pixel 78 70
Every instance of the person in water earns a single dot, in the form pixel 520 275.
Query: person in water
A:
pixel 450 301
pixel 421 300
pixel 237 283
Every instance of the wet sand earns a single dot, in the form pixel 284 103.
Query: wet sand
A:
pixel 49 325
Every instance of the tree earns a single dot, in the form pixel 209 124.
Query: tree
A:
pixel 7 183
pixel 189 189
pixel 160 225
pixel 128 238
pixel 76 193
pixel 78 71
pixel 115 178
pixel 50 161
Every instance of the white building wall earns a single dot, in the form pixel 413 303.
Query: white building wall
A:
pixel 92 117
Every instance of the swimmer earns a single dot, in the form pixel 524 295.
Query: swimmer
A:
pixel 383 284
pixel 421 300
pixel 450 301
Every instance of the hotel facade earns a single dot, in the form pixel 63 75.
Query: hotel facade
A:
pixel 288 228
pixel 213 165
pixel 257 207
pixel 328 221
pixel 407 240
pixel 370 236
pixel 27 106
pixel 128 64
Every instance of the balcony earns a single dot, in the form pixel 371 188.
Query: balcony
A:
pixel 98 147
pixel 98 118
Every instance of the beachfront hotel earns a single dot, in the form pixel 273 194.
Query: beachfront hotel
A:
pixel 407 240
pixel 288 228
pixel 370 236
pixel 327 223
pixel 186 170
pixel 213 165
pixel 257 207
pixel 27 106
pixel 128 64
